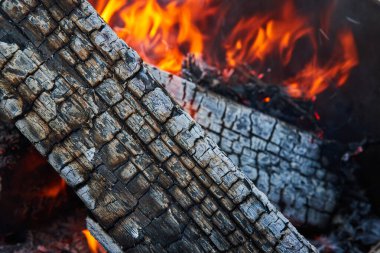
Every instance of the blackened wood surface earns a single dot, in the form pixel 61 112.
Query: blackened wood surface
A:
pixel 283 162
pixel 140 164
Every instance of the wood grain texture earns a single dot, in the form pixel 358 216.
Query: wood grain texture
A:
pixel 146 171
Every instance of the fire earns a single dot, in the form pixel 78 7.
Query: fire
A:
pixel 257 38
pixel 32 166
pixel 163 34
pixel 93 244
pixel 54 189
pixel 313 79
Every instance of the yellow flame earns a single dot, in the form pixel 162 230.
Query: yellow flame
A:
pixel 93 245
pixel 164 33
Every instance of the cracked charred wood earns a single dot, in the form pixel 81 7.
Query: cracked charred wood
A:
pixel 282 161
pixel 150 177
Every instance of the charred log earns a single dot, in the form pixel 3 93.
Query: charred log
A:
pixel 144 169
pixel 242 85
pixel 283 162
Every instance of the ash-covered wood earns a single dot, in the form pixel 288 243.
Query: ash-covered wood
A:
pixel 285 163
pixel 140 164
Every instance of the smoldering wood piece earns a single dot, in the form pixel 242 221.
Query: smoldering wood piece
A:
pixel 282 161
pixel 142 166
pixel 97 231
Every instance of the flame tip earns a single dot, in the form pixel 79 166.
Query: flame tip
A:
pixel 165 33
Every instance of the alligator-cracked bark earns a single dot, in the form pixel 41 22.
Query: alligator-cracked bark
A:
pixel 282 161
pixel 141 165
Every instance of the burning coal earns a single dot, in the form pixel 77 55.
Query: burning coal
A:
pixel 164 32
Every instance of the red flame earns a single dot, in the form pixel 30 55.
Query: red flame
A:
pixel 163 34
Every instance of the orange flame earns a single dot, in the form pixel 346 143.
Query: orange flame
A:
pixel 314 79
pixel 256 38
pixel 32 164
pixel 93 244
pixel 163 34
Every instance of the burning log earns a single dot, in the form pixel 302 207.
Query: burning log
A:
pixel 144 169
pixel 285 163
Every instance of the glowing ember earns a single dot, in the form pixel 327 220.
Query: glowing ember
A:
pixel 31 161
pixel 163 34
pixel 32 164
pixel 93 244
pixel 54 190
pixel 317 116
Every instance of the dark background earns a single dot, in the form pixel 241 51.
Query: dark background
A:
pixel 352 112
